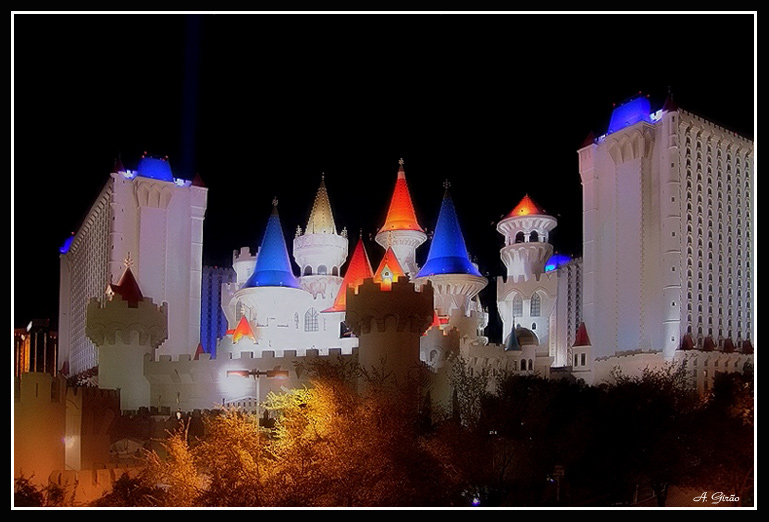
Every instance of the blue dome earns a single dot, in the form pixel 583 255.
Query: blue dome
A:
pixel 448 252
pixel 155 168
pixel 273 266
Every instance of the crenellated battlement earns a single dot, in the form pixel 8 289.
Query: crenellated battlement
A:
pixel 186 383
pixel 117 321
pixel 378 306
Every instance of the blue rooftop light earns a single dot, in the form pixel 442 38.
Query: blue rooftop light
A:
pixel 273 266
pixel 556 261
pixel 64 248
pixel 630 113
pixel 448 252
pixel 155 168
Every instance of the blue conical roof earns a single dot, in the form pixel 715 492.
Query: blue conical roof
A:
pixel 273 266
pixel 448 252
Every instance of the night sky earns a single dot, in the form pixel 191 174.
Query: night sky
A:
pixel 261 105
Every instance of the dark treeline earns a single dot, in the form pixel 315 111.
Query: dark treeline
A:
pixel 530 443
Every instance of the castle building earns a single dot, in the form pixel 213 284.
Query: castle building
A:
pixel 667 274
pixel 157 220
pixel 668 233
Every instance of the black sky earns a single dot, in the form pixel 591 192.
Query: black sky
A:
pixel 260 105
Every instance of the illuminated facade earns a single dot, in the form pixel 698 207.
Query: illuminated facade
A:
pixel 666 274
pixel 668 234
pixel 157 220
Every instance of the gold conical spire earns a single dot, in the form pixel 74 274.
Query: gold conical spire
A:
pixel 321 218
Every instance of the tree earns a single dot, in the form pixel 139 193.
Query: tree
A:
pixel 649 429
pixel 725 423
pixel 177 473
pixel 26 494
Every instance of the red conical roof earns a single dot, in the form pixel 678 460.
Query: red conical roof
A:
pixel 401 215
pixel 389 270
pixel 525 208
pixel 582 338
pixel 128 288
pixel 358 270
pixel 242 330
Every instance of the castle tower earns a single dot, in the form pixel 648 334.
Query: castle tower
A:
pixel 581 355
pixel 389 320
pixel 526 296
pixel 455 279
pixel 126 327
pixel 271 298
pixel 320 252
pixel 526 229
pixel 401 231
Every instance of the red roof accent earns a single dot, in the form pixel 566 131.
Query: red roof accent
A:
pixel 582 338
pixel 358 270
pixel 389 270
pixel 525 207
pixel 197 181
pixel 128 289
pixel 401 215
pixel 243 329
pixel 687 343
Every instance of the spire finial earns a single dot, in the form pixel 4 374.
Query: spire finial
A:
pixel 275 201
pixel 446 184
pixel 400 162
pixel 128 262
pixel 322 176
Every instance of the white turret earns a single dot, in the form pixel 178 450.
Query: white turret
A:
pixel 526 229
pixel 320 251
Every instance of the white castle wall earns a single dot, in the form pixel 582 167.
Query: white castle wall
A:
pixel 185 383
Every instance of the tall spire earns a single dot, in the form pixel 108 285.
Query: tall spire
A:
pixel 401 215
pixel 321 218
pixel 273 266
pixel 448 252
pixel 358 270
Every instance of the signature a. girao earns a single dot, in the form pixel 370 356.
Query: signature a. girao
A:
pixel 716 498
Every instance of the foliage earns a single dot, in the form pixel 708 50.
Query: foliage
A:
pixel 351 439
pixel 131 491
pixel 26 494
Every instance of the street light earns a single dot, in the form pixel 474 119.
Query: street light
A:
pixel 275 373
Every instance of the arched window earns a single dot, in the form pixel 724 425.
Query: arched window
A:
pixel 523 364
pixel 311 320
pixel 517 306
pixel 536 305
pixel 335 271
pixel 308 270
pixel 322 270
pixel 534 237
pixel 519 237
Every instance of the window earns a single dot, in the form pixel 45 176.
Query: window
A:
pixel 311 320
pixel 517 306
pixel 536 305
